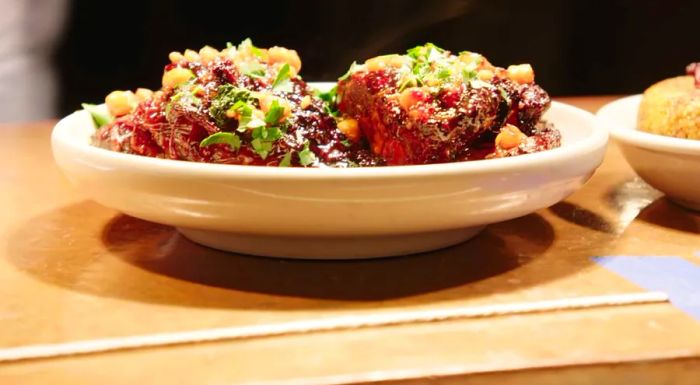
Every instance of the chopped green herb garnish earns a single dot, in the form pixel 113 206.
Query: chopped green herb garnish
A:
pixel 99 116
pixel 346 143
pixel 479 59
pixel 263 138
pixel 262 148
pixel 504 94
pixel 248 44
pixel 282 77
pixel 257 52
pixel 274 133
pixel 252 69
pixel 330 101
pixel 328 96
pixel 185 99
pixel 444 73
pixel 242 107
pixel 275 113
pixel 477 83
pixel 416 52
pixel 251 123
pixel 420 71
pixel 266 133
pixel 259 132
pixel 428 52
pixel 469 75
pixel 350 71
pixel 409 80
pixel 430 65
pixel 434 52
pixel 286 159
pixel 223 138
pixel 306 157
pixel 229 97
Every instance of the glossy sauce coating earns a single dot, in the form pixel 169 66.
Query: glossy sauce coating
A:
pixel 393 110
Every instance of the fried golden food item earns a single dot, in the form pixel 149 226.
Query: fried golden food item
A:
pixel 671 107
pixel 432 106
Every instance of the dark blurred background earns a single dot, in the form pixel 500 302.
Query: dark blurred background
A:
pixel 576 47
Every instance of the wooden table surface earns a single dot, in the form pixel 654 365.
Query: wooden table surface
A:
pixel 73 270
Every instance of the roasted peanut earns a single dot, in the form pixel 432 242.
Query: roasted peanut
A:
pixel 191 55
pixel 350 128
pixel 207 54
pixel 410 96
pixel 521 73
pixel 305 102
pixel 121 102
pixel 176 76
pixel 485 75
pixel 266 101
pixel 386 61
pixel 467 57
pixel 175 57
pixel 284 55
pixel 509 137
pixel 143 94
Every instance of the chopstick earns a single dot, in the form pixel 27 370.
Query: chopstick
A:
pixel 349 322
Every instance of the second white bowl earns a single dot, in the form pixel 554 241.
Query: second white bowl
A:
pixel 670 165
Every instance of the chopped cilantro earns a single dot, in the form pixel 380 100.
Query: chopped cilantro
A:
pixel 416 52
pixel 468 75
pixel 477 83
pixel 252 69
pixel 346 143
pixel 328 96
pixel 431 65
pixel 409 80
pixel 420 71
pixel 286 159
pixel 250 123
pixel 229 97
pixel 330 101
pixel 350 71
pixel 274 133
pixel 242 107
pixel 477 61
pixel 261 147
pixel 185 98
pixel 267 133
pixel 248 44
pixel 434 52
pixel 306 157
pixel 275 113
pixel 263 138
pixel 282 77
pixel 504 94
pixel 222 137
pixel 260 132
pixel 428 52
pixel 257 52
pixel 444 73
pixel 99 116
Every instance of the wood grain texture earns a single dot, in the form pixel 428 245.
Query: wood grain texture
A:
pixel 71 270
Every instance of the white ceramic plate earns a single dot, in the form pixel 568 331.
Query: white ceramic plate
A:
pixel 671 165
pixel 328 213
